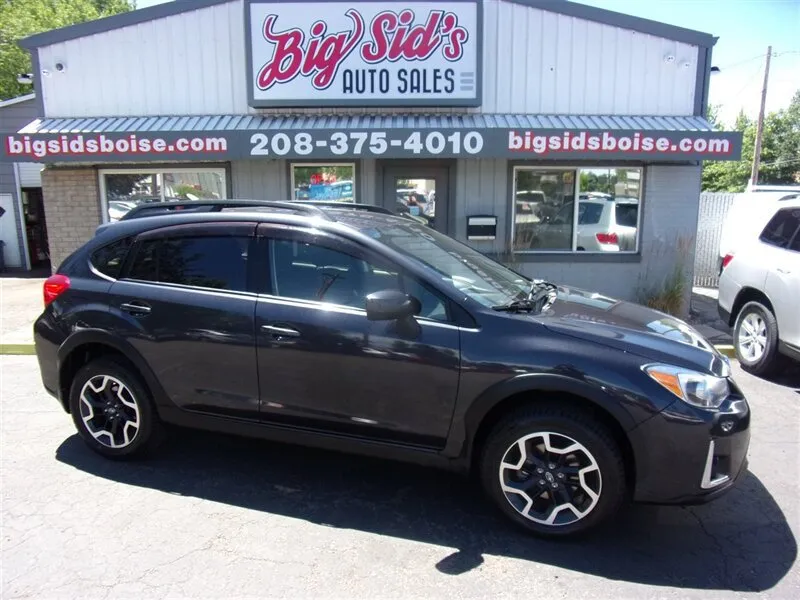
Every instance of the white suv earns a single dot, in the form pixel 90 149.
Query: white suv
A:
pixel 759 289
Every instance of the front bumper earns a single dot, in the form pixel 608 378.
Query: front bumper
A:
pixel 686 455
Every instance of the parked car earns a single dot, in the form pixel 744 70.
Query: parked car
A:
pixel 748 214
pixel 362 331
pixel 759 289
pixel 607 223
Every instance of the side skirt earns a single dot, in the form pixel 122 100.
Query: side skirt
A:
pixel 313 438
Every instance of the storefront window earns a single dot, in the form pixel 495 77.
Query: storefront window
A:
pixel 125 189
pixel 607 215
pixel 324 182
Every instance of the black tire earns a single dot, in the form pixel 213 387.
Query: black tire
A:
pixel 580 427
pixel 770 361
pixel 150 431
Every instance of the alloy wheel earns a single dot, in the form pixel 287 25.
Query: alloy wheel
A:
pixel 753 337
pixel 550 478
pixel 109 411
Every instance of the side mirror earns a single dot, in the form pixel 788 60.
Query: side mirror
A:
pixel 390 305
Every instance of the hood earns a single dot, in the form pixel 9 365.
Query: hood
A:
pixel 631 328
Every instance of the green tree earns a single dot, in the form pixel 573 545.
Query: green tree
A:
pixel 780 151
pixel 21 18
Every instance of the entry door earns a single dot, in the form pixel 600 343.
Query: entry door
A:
pixel 323 364
pixel 420 193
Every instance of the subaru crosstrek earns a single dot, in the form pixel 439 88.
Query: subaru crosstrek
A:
pixel 354 330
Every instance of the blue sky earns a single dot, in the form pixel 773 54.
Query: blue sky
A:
pixel 744 27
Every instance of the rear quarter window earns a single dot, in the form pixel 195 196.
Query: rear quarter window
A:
pixel 109 259
pixel 782 228
pixel 627 215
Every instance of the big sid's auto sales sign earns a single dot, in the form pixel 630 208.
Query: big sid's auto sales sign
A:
pixel 394 53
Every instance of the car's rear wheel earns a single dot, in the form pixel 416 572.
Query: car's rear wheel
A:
pixel 113 411
pixel 755 338
pixel 555 471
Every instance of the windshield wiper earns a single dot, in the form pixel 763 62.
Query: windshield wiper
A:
pixel 540 290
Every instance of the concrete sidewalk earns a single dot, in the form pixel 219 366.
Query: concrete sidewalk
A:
pixel 20 303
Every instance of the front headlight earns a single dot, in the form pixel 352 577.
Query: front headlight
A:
pixel 698 389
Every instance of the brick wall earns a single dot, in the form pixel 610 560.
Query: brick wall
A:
pixel 71 207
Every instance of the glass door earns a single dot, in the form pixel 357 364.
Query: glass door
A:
pixel 418 193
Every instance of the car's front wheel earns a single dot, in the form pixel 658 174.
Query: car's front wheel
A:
pixel 113 411
pixel 755 338
pixel 555 471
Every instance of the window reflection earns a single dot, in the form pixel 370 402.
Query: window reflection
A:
pixel 323 182
pixel 125 190
pixel 607 214
pixel 543 209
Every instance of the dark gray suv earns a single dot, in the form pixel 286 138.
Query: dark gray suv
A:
pixel 350 329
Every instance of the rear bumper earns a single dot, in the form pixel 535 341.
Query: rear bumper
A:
pixel 724 314
pixel 687 455
pixel 47 340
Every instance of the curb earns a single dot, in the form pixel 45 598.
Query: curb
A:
pixel 17 349
pixel 727 350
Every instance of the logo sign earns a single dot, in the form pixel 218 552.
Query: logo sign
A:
pixel 393 53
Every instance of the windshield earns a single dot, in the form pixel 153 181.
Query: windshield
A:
pixel 458 265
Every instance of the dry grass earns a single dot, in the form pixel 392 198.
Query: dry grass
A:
pixel 670 295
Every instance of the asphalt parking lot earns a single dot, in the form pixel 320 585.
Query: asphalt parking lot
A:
pixel 217 517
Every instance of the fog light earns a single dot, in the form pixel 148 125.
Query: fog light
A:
pixel 727 426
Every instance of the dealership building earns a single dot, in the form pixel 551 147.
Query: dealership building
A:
pixel 563 138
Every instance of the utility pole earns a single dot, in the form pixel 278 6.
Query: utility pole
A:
pixel 760 126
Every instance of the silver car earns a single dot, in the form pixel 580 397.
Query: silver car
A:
pixel 759 291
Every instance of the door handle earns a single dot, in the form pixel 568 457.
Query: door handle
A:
pixel 783 271
pixel 135 308
pixel 280 331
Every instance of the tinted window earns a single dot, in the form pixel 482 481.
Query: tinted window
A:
pixel 627 214
pixel 144 264
pixel 313 272
pixel 589 213
pixel 108 259
pixel 210 261
pixel 782 227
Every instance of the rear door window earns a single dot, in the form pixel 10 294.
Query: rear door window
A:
pixel 589 213
pixel 108 260
pixel 782 228
pixel 218 262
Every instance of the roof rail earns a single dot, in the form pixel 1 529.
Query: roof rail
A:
pixel 345 206
pixel 152 209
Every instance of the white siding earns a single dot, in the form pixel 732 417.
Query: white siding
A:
pixel 541 62
pixel 190 63
pixel 30 174
pixel 534 61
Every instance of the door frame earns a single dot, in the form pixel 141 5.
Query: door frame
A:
pixel 420 169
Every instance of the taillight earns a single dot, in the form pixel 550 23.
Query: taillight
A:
pixel 607 238
pixel 54 286
pixel 727 260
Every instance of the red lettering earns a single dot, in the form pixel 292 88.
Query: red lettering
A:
pixel 376 50
pixel 321 58
pixel 457 35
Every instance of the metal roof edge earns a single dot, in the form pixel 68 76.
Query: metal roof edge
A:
pixel 617 19
pixel 17 100
pixel 574 9
pixel 134 17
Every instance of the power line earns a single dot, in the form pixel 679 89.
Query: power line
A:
pixel 781 162
pixel 747 60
